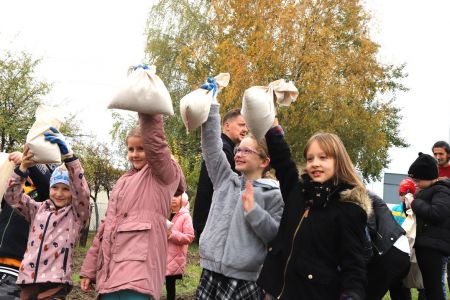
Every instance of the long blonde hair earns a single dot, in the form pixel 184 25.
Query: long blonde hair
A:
pixel 332 145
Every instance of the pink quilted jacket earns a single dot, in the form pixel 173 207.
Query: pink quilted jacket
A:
pixel 182 235
pixel 129 250
pixel 53 232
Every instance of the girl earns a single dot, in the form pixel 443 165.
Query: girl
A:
pixel 432 208
pixel 180 235
pixel 240 226
pixel 319 250
pixel 128 256
pixel 55 224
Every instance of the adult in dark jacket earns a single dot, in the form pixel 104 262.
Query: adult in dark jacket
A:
pixel 390 262
pixel 431 206
pixel 318 252
pixel 14 229
pixel 234 130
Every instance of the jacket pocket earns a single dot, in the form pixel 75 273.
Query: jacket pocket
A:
pixel 131 242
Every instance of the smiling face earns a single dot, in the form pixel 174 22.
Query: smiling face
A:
pixel 319 166
pixel 136 154
pixel 250 160
pixel 441 156
pixel 60 194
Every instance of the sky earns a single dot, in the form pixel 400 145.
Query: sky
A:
pixel 87 46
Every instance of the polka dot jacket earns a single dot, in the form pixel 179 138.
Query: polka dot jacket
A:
pixel 53 232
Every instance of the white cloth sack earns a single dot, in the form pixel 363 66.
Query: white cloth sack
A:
pixel 6 169
pixel 414 277
pixel 43 151
pixel 194 107
pixel 144 92
pixel 258 104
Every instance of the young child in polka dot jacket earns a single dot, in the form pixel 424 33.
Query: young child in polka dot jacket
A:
pixel 55 224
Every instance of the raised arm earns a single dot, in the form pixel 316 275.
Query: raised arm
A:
pixel 79 188
pixel 215 159
pixel 40 175
pixel 157 149
pixel 281 160
pixel 17 199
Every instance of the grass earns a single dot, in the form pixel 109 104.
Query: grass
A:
pixel 185 288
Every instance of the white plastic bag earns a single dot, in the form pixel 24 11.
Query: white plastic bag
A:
pixel 43 151
pixel 143 92
pixel 414 277
pixel 194 107
pixel 6 169
pixel 258 104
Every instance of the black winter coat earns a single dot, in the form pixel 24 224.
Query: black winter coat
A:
pixel 384 230
pixel 317 253
pixel 13 227
pixel 205 189
pixel 432 209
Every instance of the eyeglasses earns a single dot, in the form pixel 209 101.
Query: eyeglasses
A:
pixel 244 151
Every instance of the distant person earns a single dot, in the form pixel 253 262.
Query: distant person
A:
pixel 179 234
pixel 441 151
pixel 234 130
pixel 14 228
pixel 390 261
pixel 55 224
pixel 431 206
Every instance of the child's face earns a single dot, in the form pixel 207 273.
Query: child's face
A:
pixel 136 154
pixel 175 204
pixel 247 158
pixel 60 194
pixel 319 166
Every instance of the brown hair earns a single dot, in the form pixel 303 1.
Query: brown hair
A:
pixel 231 114
pixel 332 145
pixel 134 132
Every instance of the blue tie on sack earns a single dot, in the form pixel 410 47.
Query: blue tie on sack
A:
pixel 210 85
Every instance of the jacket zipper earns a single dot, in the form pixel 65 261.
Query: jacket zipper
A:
pixel 66 256
pixel 375 246
pixel 40 248
pixel 305 215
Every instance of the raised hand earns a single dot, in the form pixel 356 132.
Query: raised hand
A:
pixel 56 137
pixel 248 199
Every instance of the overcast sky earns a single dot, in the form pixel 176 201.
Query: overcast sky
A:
pixel 86 47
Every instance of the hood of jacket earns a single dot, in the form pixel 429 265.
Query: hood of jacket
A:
pixel 359 196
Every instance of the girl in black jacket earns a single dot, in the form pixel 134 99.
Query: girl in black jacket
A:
pixel 319 250
pixel 431 204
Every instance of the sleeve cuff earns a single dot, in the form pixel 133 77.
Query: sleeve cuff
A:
pixel 70 159
pixel 20 173
pixel 276 130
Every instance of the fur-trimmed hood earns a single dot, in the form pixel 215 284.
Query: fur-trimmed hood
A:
pixel 358 196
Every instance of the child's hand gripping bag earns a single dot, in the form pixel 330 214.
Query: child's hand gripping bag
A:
pixel 43 151
pixel 143 92
pixel 258 107
pixel 194 107
pixel 6 169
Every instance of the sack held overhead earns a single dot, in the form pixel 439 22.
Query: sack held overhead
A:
pixel 143 92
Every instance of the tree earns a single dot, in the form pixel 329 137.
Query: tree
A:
pixel 323 46
pixel 20 93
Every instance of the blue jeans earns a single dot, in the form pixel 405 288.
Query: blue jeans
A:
pixel 125 295
pixel 446 260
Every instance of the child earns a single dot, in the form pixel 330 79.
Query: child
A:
pixel 180 235
pixel 406 189
pixel 243 219
pixel 55 224
pixel 432 208
pixel 128 256
pixel 319 250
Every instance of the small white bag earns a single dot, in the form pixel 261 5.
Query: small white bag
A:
pixel 414 277
pixel 194 107
pixel 6 169
pixel 43 151
pixel 258 104
pixel 143 92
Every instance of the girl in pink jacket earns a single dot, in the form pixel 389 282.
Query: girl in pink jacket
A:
pixel 128 256
pixel 180 235
pixel 55 224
